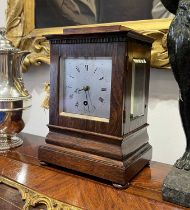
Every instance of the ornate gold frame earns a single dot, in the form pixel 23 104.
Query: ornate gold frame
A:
pixel 21 31
pixel 33 198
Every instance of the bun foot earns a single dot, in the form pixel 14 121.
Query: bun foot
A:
pixel 42 163
pixel 148 164
pixel 121 187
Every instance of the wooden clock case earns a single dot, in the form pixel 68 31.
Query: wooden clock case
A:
pixel 116 150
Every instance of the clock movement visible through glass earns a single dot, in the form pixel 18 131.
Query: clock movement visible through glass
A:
pixel 85 87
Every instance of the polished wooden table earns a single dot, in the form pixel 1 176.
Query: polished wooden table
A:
pixel 25 183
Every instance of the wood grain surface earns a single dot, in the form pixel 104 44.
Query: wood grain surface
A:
pixel 21 165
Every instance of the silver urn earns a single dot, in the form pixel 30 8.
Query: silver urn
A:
pixel 14 98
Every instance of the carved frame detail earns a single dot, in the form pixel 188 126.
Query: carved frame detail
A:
pixel 21 31
pixel 33 198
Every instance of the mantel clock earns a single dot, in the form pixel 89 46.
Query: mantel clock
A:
pixel 99 84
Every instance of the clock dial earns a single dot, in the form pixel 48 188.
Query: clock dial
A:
pixel 86 86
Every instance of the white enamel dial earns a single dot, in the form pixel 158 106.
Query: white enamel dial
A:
pixel 86 86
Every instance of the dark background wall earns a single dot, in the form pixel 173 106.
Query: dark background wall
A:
pixel 124 10
pixel 49 14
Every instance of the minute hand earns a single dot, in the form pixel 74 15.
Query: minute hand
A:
pixel 90 99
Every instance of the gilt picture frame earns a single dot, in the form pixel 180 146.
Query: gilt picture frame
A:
pixel 22 32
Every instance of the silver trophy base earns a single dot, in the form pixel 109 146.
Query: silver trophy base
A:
pixel 8 142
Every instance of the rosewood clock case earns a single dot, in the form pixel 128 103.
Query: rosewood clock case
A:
pixel 116 149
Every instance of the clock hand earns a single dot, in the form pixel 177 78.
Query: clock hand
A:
pixel 90 99
pixel 85 88
pixel 78 90
pixel 87 101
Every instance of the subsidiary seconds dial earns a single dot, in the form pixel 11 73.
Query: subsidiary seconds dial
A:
pixel 86 85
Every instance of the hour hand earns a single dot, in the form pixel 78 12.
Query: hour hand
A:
pixel 78 90
pixel 85 88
